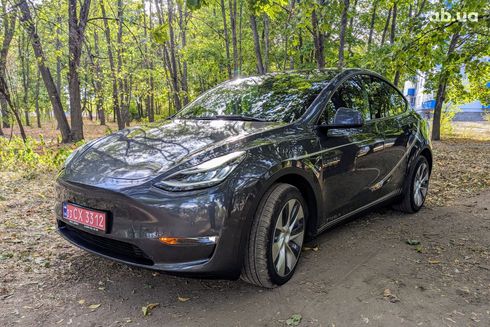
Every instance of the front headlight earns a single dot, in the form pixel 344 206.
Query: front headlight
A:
pixel 206 174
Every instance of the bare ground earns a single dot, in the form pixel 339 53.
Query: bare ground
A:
pixel 360 273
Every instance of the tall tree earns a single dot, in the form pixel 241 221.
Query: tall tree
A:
pixel 76 30
pixel 442 86
pixel 8 33
pixel 227 38
pixel 115 93
pixel 318 40
pixel 174 72
pixel 4 91
pixel 258 54
pixel 26 19
pixel 97 80
pixel 343 28
pixel 385 30
pixel 234 42
pixel 371 25
pixel 26 76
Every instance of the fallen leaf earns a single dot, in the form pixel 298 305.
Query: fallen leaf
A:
pixel 94 306
pixel 183 299
pixel 413 242
pixel 434 262
pixel 310 248
pixel 294 320
pixel 147 309
pixel 81 301
pixel 390 296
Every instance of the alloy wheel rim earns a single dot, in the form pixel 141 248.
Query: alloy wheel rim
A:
pixel 288 237
pixel 421 184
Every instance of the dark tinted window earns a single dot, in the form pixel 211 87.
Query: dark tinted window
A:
pixel 398 105
pixel 384 100
pixel 281 97
pixel 351 95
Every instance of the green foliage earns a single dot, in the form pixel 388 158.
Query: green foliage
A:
pixel 195 4
pixel 447 115
pixel 32 156
pixel 142 49
pixel 160 34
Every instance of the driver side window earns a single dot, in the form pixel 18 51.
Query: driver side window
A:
pixel 350 95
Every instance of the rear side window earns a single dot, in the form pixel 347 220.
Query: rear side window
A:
pixel 350 94
pixel 398 105
pixel 384 100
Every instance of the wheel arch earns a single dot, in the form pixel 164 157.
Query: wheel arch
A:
pixel 304 182
pixel 427 153
pixel 308 193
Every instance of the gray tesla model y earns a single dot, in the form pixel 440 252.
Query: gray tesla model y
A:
pixel 234 183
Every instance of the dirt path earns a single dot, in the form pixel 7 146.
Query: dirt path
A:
pixel 360 273
pixel 343 283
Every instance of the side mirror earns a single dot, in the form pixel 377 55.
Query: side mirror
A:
pixel 345 118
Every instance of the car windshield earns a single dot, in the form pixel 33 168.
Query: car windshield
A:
pixel 275 97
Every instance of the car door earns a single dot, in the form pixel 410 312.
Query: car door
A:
pixel 396 128
pixel 349 156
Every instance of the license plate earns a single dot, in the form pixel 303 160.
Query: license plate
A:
pixel 89 218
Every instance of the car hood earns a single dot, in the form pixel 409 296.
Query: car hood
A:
pixel 135 155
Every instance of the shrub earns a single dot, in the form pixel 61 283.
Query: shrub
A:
pixel 447 115
pixel 33 155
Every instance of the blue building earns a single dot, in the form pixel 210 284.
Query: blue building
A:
pixel 423 100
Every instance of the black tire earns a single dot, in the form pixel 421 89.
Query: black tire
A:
pixel 259 267
pixel 408 202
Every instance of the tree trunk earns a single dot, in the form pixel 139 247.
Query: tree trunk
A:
pixel 99 92
pixel 54 97
pixel 318 40
pixel 183 38
pixel 343 28
pixel 441 90
pixel 59 23
pixel 351 29
pixel 25 72
pixel 227 38
pixel 8 22
pixel 76 30
pixel 396 79
pixel 5 92
pixel 147 58
pixel 240 38
pixel 38 113
pixel 393 25
pixel 385 30
pixel 123 105
pixel 173 62
pixel 234 43
pixel 115 94
pixel 371 25
pixel 258 54
pixel 266 42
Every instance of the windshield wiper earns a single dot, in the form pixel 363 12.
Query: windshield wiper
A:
pixel 240 117
pixel 228 117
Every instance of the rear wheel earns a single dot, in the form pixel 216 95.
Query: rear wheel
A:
pixel 416 187
pixel 276 237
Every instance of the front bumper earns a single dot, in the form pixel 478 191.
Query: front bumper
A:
pixel 139 217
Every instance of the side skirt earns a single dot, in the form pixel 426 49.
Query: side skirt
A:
pixel 358 210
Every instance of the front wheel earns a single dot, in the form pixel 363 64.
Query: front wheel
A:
pixel 276 237
pixel 416 187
